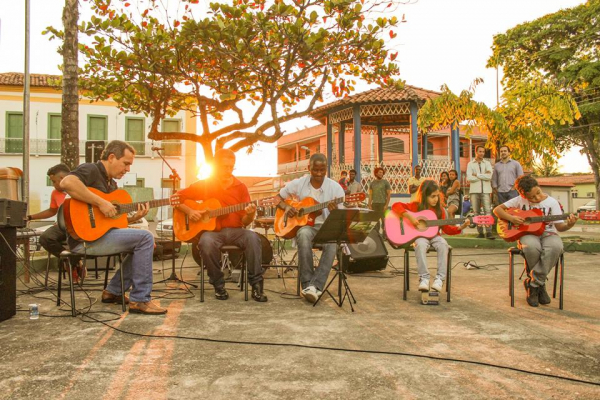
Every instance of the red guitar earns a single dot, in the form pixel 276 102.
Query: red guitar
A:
pixel 535 222
pixel 308 211
pixel 400 231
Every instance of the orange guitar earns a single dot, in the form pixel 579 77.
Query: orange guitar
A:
pixel 186 229
pixel 307 213
pixel 86 222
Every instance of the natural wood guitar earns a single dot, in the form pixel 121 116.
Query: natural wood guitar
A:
pixel 185 229
pixel 535 222
pixel 400 231
pixel 86 222
pixel 308 211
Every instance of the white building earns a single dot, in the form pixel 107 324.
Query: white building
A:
pixel 97 121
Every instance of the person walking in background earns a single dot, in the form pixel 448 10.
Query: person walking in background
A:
pixel 380 192
pixel 452 193
pixel 506 172
pixel 479 174
pixel 414 182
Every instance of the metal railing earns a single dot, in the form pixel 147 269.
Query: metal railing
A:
pixel 53 146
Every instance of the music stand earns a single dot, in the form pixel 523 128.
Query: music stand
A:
pixel 344 226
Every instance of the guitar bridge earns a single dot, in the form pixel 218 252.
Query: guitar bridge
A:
pixel 91 215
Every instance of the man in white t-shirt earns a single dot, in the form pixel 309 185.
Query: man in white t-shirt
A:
pixel 541 252
pixel 322 189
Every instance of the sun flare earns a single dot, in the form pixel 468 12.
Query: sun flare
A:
pixel 204 171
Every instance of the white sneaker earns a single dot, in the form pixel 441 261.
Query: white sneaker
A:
pixel 310 294
pixel 424 285
pixel 437 285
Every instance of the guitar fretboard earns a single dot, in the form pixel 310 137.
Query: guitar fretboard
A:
pixel 131 207
pixel 230 209
pixel 442 222
pixel 547 218
pixel 320 206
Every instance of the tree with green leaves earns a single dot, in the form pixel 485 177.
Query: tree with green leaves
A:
pixel 561 49
pixel 245 68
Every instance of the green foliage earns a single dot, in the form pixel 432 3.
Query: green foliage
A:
pixel 546 167
pixel 274 58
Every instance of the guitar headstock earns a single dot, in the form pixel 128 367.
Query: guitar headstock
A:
pixel 355 197
pixel 487 220
pixel 269 201
pixel 589 215
pixel 175 200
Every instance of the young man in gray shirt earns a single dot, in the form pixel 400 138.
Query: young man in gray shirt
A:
pixel 506 172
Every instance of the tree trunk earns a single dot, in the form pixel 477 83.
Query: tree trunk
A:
pixel 70 93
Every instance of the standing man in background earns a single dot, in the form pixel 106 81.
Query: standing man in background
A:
pixel 479 174
pixel 414 182
pixel 380 192
pixel 506 172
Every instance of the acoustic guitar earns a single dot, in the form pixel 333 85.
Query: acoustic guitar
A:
pixel 185 229
pixel 308 211
pixel 535 222
pixel 86 222
pixel 400 231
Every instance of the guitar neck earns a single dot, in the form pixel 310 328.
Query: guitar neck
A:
pixel 230 209
pixel 547 218
pixel 320 206
pixel 442 222
pixel 131 207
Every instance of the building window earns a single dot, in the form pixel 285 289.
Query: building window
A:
pixel 429 148
pixel 168 183
pixel 54 137
pixel 574 193
pixel 393 145
pixel 590 194
pixel 14 132
pixel 307 153
pixel 97 127
pixel 462 149
pixel 134 134
pixel 172 147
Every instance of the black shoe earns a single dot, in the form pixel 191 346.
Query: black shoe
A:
pixel 490 236
pixel 480 236
pixel 532 294
pixel 257 292
pixel 221 293
pixel 543 296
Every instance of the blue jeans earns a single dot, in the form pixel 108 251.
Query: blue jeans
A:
pixel 478 200
pixel 309 276
pixel 441 247
pixel 503 197
pixel 210 244
pixel 137 268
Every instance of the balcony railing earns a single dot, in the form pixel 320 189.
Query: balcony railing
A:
pixel 291 167
pixel 53 146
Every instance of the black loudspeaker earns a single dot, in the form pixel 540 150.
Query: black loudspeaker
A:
pixel 93 150
pixel 8 273
pixel 370 255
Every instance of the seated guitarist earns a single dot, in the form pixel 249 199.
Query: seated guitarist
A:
pixel 230 227
pixel 541 252
pixel 115 161
pixel 322 189
pixel 428 198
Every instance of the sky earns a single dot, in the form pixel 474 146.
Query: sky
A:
pixel 442 42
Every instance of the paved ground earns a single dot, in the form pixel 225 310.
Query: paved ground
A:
pixel 73 358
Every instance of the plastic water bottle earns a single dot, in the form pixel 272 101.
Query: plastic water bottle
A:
pixel 34 311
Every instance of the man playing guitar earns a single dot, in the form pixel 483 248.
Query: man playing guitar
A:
pixel 115 161
pixel 230 227
pixel 322 189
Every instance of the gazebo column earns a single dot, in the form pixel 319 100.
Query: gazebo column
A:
pixel 379 144
pixel 456 149
pixel 357 141
pixel 424 146
pixel 329 146
pixel 414 134
pixel 342 143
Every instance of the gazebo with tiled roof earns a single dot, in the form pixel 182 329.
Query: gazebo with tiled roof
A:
pixel 379 111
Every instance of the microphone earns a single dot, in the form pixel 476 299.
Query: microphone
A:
pixel 154 148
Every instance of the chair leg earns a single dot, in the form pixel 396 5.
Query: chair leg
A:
pixel 202 282
pixel 562 280
pixel 60 268
pixel 245 267
pixel 48 271
pixel 106 273
pixel 66 260
pixel 96 266
pixel 122 284
pixel 405 275
pixel 449 280
pixel 511 278
pixel 555 277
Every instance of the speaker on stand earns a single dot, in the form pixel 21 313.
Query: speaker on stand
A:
pixel 8 272
pixel 370 255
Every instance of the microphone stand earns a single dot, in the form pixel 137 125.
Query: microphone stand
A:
pixel 175 179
